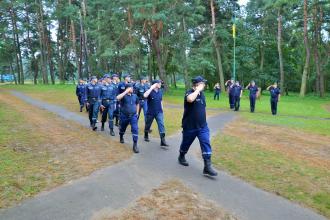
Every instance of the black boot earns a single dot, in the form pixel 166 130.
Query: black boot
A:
pixel 122 139
pixel 102 128
pixel 116 123
pixel 112 133
pixel 208 170
pixel 182 160
pixel 81 107
pixel 163 141
pixel 146 136
pixel 94 126
pixel 135 148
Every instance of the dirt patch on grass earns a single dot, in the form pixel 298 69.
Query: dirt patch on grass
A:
pixel 69 150
pixel 172 200
pixel 327 107
pixel 312 148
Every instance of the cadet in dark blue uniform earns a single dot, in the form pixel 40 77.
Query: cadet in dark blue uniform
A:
pixel 230 84
pixel 121 89
pixel 254 93
pixel 115 82
pixel 93 99
pixel 194 125
pixel 154 97
pixel 108 96
pixel 217 91
pixel 80 92
pixel 140 89
pixel 129 103
pixel 275 95
pixel 237 93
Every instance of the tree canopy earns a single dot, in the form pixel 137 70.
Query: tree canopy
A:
pixel 282 40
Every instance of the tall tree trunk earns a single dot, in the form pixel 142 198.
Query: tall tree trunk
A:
pixel 50 57
pixel 155 34
pixel 217 47
pixel 184 56
pixel 74 44
pixel 306 66
pixel 86 52
pixel 279 47
pixel 60 51
pixel 17 51
pixel 41 29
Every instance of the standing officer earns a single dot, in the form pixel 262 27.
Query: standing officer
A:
pixel 92 97
pixel 275 95
pixel 80 92
pixel 129 103
pixel 115 83
pixel 230 84
pixel 217 91
pixel 154 97
pixel 237 92
pixel 194 125
pixel 140 89
pixel 108 96
pixel 254 93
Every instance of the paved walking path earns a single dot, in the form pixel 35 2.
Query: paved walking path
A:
pixel 116 186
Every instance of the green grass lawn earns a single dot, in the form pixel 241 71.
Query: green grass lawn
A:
pixel 19 165
pixel 275 172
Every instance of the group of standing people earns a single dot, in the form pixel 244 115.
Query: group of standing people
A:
pixel 235 92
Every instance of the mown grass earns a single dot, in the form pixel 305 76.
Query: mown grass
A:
pixel 275 172
pixel 19 165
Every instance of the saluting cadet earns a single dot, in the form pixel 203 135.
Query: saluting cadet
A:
pixel 229 84
pixel 93 99
pixel 115 82
pixel 108 105
pixel 194 125
pixel 275 95
pixel 140 89
pixel 254 93
pixel 80 92
pixel 129 103
pixel 217 91
pixel 154 97
pixel 237 92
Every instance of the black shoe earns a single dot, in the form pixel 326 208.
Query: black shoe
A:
pixel 116 123
pixel 112 133
pixel 81 108
pixel 182 160
pixel 135 148
pixel 102 128
pixel 122 139
pixel 146 136
pixel 208 170
pixel 163 141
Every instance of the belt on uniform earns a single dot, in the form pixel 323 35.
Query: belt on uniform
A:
pixel 129 115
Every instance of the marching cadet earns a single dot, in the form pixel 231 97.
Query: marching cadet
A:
pixel 229 84
pixel 154 97
pixel 92 98
pixel 140 89
pixel 121 89
pixel 129 103
pixel 80 92
pixel 108 105
pixel 194 125
pixel 115 82
pixel 275 95
pixel 217 91
pixel 237 93
pixel 254 93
